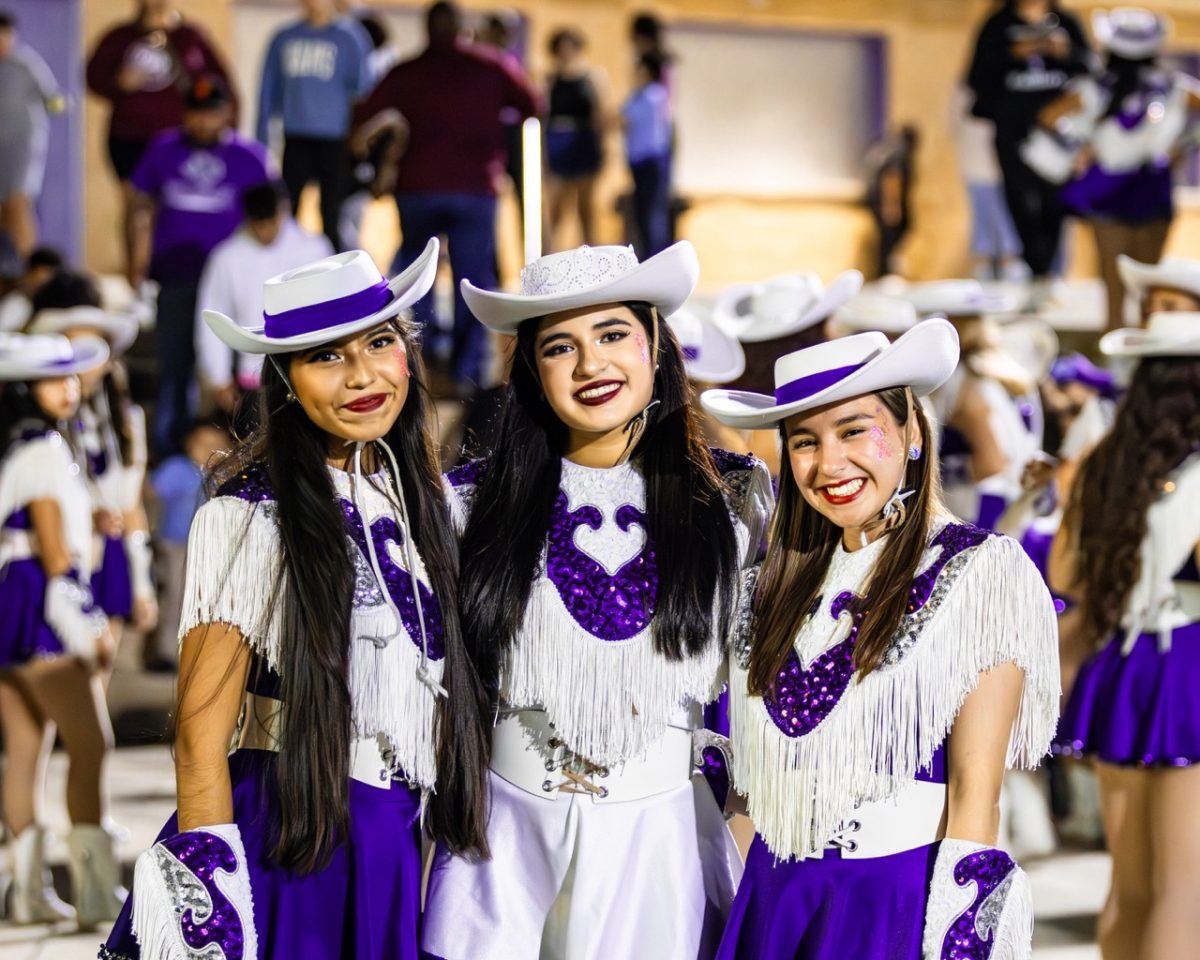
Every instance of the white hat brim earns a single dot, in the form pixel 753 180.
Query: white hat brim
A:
pixel 666 281
pixel 721 357
pixel 407 287
pixel 752 329
pixel 1104 26
pixel 922 359
pixel 119 329
pixel 1139 277
pixel 1136 342
pixel 89 353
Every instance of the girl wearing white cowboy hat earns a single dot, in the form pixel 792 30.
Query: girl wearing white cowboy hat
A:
pixel 712 356
pixel 601 551
pixel 320 608
pixel 52 636
pixel 1127 553
pixel 1117 135
pixel 111 432
pixel 989 410
pixel 1172 285
pixel 777 316
pixel 892 653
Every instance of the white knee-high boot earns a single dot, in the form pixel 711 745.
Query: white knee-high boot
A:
pixel 33 897
pixel 95 876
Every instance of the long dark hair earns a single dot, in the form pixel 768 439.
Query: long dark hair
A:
pixel 801 544
pixel 686 516
pixel 1157 427
pixel 1122 77
pixel 318 585
pixel 18 406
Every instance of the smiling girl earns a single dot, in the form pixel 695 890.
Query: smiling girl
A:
pixel 319 625
pixel 601 556
pixel 898 659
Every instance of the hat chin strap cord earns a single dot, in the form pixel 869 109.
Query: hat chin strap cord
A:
pixel 895 510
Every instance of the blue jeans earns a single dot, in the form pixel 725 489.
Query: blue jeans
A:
pixel 652 205
pixel 468 222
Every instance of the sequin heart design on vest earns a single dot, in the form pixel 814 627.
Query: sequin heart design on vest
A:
pixel 805 695
pixel 386 535
pixel 612 605
pixel 972 935
pixel 211 918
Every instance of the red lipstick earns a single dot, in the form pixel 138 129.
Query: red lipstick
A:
pixel 605 391
pixel 843 499
pixel 367 404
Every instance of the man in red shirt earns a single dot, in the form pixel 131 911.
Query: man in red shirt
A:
pixel 448 102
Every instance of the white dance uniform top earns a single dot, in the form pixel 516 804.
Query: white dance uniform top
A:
pixel 828 759
pixel 602 845
pixel 235 576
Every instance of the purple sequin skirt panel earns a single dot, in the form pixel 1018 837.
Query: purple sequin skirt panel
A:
pixel 1137 710
pixel 112 588
pixel 365 905
pixel 24 633
pixel 829 909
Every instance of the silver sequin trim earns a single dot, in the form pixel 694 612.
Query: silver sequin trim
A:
pixel 186 892
pixel 914 624
pixel 366 589
pixel 987 920
pixel 743 639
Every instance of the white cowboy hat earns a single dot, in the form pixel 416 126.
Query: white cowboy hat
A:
pixel 1165 335
pixel 1174 273
pixel 1131 32
pixel 922 359
pixel 709 353
pixel 1032 342
pixel 327 300
pixel 25 356
pixel 783 305
pixel 119 329
pixel 586 277
pixel 960 298
pixel 875 311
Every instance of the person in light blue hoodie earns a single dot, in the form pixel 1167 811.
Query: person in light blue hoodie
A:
pixel 314 71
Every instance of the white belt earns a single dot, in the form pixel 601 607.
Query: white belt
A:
pixel 527 753
pixel 16 545
pixel 260 731
pixel 911 819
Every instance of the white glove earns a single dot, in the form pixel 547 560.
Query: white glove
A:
pixel 191 892
pixel 141 559
pixel 980 905
pixel 71 616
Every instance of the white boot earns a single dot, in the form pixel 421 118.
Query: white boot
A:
pixel 95 876
pixel 33 897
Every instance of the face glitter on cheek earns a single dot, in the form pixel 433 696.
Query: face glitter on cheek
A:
pixel 882 450
pixel 402 357
pixel 640 340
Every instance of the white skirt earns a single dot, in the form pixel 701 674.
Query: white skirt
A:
pixel 572 879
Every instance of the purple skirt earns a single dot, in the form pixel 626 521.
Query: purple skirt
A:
pixel 365 905
pixel 829 909
pixel 24 633
pixel 1137 710
pixel 112 588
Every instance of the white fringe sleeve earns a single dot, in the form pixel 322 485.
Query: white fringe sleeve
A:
pixel 40 469
pixel 235 572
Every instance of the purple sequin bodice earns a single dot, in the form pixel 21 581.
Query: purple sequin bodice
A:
pixel 203 854
pixel 804 696
pixel 972 935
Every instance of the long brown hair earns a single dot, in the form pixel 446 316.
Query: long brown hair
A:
pixel 1156 428
pixel 802 543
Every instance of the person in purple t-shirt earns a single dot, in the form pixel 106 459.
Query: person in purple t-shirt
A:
pixel 187 198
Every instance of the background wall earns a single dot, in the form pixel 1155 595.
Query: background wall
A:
pixel 739 235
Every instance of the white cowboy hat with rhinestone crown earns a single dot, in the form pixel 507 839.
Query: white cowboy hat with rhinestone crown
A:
pixel 586 277
pixel 25 356
pixel 119 329
pixel 709 353
pixel 1175 334
pixel 1131 32
pixel 783 305
pixel 327 300
pixel 921 359
pixel 1173 273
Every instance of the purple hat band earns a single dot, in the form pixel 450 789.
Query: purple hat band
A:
pixel 805 387
pixel 330 313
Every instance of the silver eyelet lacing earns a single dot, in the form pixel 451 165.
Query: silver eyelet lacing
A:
pixel 842 838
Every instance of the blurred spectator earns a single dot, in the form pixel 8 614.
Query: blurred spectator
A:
pixel 188 198
pixel 15 306
pixel 143 67
pixel 314 71
pixel 500 31
pixel 889 190
pixel 268 243
pixel 647 121
pixel 448 101
pixel 577 98
pixel 1025 54
pixel 178 485
pixel 28 95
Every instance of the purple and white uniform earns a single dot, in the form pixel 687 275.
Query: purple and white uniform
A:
pixel 846 778
pixel 603 845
